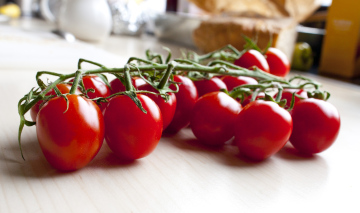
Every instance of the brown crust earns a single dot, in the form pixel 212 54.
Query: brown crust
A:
pixel 218 32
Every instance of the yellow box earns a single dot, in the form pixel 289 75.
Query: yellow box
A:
pixel 340 50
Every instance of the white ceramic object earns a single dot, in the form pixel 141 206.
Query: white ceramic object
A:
pixel 88 20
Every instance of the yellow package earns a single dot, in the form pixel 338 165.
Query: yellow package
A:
pixel 340 55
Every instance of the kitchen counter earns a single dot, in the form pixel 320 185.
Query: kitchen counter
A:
pixel 179 176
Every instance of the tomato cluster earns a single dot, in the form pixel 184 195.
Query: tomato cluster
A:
pixel 131 113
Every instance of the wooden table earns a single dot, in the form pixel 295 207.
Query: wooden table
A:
pixel 179 176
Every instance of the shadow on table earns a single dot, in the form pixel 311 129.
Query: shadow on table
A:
pixel 36 166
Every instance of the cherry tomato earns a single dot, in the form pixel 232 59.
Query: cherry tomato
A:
pixel 167 108
pixel 213 118
pixel 316 125
pixel 95 82
pixel 279 64
pixel 130 133
pixel 288 93
pixel 262 128
pixel 117 86
pixel 185 101
pixel 71 138
pixel 247 99
pixel 206 86
pixel 232 81
pixel 100 88
pixel 253 58
pixel 63 88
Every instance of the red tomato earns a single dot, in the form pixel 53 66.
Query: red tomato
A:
pixel 63 88
pixel 213 118
pixel 185 101
pixel 101 89
pixel 288 93
pixel 247 99
pixel 117 86
pixel 279 64
pixel 95 82
pixel 206 86
pixel 130 133
pixel 167 108
pixel 253 58
pixel 316 125
pixel 232 81
pixel 70 139
pixel 262 128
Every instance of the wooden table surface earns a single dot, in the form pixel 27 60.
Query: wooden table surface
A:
pixel 179 176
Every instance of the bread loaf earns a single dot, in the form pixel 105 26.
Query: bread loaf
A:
pixel 217 32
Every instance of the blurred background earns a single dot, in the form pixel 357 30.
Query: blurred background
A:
pixel 319 36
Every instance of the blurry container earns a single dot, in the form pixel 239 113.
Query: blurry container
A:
pixel 340 54
pixel 177 27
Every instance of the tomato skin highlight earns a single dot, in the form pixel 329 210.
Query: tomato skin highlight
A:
pixel 71 139
pixel 130 133
pixel 316 125
pixel 167 108
pixel 262 128
pixel 279 64
pixel 253 58
pixel 185 101
pixel 213 118
pixel 63 88
pixel 232 81
pixel 205 86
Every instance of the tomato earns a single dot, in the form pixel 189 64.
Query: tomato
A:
pixel 316 125
pixel 95 82
pixel 117 86
pixel 185 101
pixel 262 128
pixel 167 108
pixel 70 139
pixel 288 93
pixel 130 133
pixel 279 64
pixel 253 58
pixel 63 88
pixel 232 81
pixel 213 118
pixel 100 88
pixel 206 86
pixel 247 99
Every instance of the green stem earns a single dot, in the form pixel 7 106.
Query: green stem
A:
pixel 128 84
pixel 81 60
pixel 167 74
pixel 76 82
